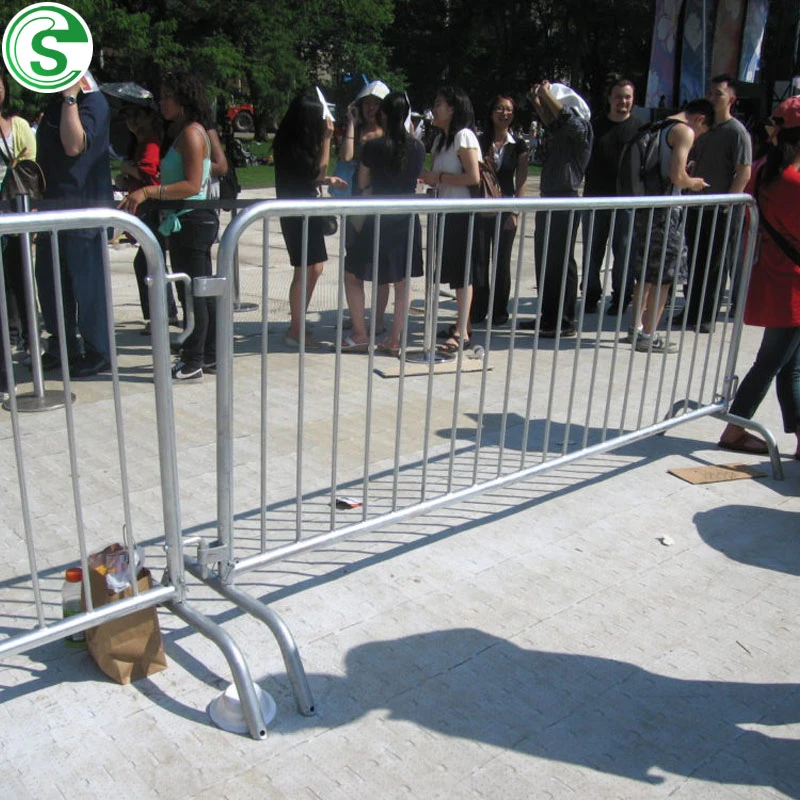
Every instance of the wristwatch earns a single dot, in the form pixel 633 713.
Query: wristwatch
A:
pixel 70 99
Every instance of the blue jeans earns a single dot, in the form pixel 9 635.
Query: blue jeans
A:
pixel 779 358
pixel 84 289
pixel 623 230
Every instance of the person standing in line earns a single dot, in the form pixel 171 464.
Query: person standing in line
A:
pixel 664 262
pixel 190 232
pixel 302 149
pixel 612 131
pixel 456 155
pixel 508 155
pixel 389 167
pixel 723 158
pixel 773 297
pixel 72 150
pixel 568 143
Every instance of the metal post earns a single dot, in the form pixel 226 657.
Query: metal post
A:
pixel 41 399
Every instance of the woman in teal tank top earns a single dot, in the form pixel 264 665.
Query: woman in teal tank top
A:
pixel 190 232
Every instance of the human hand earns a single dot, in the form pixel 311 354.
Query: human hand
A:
pixel 697 185
pixel 429 177
pixel 511 223
pixel 132 201
pixel 335 182
pixel 352 113
pixel 328 132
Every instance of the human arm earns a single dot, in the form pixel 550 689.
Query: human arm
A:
pixel 547 107
pixel 71 130
pixel 348 147
pixel 468 155
pixel 219 161
pixel 24 139
pixel 740 179
pixel 192 146
pixel 520 183
pixel 680 138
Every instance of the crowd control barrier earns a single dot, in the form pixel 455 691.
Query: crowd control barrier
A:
pixel 340 444
pixel 65 495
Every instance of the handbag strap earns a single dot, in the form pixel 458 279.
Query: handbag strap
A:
pixel 8 156
pixel 789 251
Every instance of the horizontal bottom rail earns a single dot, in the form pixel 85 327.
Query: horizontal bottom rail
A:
pixel 322 540
pixel 21 643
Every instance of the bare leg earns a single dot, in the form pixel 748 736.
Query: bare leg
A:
pixel 656 300
pixel 380 311
pixel 296 305
pixel 401 301
pixel 354 289
pixel 638 303
pixel 464 300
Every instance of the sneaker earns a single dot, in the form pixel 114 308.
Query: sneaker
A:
pixel 654 344
pixel 183 372
pixel 89 365
pixel 633 334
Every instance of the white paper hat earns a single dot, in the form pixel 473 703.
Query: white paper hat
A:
pixel 571 99
pixel 375 88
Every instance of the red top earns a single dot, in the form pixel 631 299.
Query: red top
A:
pixel 147 158
pixel 773 298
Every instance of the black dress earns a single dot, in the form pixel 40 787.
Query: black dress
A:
pixel 394 228
pixel 289 186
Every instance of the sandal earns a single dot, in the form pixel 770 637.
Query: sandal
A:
pixel 745 443
pixel 388 349
pixel 452 344
pixel 447 333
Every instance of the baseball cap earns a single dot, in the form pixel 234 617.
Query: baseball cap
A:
pixel 787 114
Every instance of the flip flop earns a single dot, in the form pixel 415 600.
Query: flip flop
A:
pixel 745 443
pixel 351 346
pixel 290 341
pixel 388 349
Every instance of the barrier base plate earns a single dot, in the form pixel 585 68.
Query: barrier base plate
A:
pixel 49 401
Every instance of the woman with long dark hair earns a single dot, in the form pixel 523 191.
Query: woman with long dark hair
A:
pixel 773 297
pixel 508 155
pixel 302 149
pixel 456 155
pixel 389 166
pixel 185 170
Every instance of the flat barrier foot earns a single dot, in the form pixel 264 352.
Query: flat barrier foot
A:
pixel 428 356
pixel 241 308
pixel 49 400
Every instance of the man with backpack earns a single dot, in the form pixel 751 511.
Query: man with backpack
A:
pixel 655 163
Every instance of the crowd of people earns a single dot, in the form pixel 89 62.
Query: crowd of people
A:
pixel 176 155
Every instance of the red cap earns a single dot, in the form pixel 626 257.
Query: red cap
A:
pixel 789 112
pixel 74 575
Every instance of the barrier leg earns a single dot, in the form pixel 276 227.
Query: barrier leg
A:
pixel 239 670
pixel 291 656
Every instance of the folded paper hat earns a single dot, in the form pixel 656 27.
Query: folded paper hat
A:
pixel 571 99
pixel 375 88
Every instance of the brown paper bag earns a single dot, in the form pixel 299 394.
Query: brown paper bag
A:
pixel 129 648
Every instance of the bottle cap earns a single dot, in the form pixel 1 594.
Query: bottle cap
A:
pixel 74 575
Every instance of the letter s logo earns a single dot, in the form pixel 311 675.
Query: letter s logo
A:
pixel 47 47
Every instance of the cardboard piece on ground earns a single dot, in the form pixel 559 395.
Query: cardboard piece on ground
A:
pixel 392 367
pixel 718 473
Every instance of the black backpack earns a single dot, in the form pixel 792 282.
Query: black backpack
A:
pixel 639 170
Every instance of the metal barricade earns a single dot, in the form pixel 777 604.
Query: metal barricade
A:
pixel 302 430
pixel 83 481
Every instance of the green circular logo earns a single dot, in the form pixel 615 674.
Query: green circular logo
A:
pixel 47 47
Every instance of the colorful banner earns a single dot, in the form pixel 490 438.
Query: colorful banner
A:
pixel 695 52
pixel 661 78
pixel 727 37
pixel 754 24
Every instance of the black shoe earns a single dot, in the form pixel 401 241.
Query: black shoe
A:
pixel 49 362
pixel 209 367
pixel 706 327
pixel 88 365
pixel 500 319
pixel 566 333
pixel 527 325
pixel 591 304
pixel 183 372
